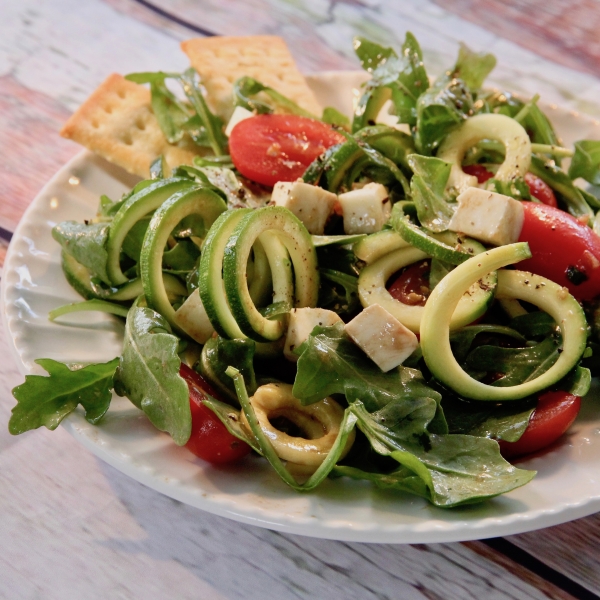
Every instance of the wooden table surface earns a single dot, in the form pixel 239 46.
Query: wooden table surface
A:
pixel 73 527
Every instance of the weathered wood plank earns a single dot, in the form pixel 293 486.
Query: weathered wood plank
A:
pixel 572 549
pixel 564 32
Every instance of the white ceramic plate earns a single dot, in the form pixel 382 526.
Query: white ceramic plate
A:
pixel 567 485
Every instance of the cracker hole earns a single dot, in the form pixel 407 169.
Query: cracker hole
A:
pixel 140 124
pixel 121 94
pixel 127 140
pixel 95 124
pixel 108 109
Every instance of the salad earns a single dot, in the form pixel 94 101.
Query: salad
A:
pixel 407 304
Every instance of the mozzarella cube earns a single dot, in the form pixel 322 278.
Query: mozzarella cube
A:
pixel 366 209
pixel 239 114
pixel 192 318
pixel 382 337
pixel 302 322
pixel 311 204
pixel 487 216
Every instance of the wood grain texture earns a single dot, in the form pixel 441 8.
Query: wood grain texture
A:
pixel 572 549
pixel 564 32
pixel 30 147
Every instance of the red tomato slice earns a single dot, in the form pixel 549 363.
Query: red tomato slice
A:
pixel 554 414
pixel 272 148
pixel 479 171
pixel 412 285
pixel 538 188
pixel 210 439
pixel 563 249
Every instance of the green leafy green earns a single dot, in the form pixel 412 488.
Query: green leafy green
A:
pixel 218 354
pixel 515 365
pixel 428 191
pixel 86 243
pixel 586 161
pixel 245 90
pixel 456 469
pixel 330 363
pixel 473 67
pixel 440 109
pixel 148 373
pixel 502 421
pixel 175 117
pixel 399 78
pixel 48 400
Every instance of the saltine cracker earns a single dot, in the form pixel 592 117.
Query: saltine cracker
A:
pixel 117 123
pixel 221 60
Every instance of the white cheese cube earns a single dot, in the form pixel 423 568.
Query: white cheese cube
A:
pixel 382 337
pixel 487 216
pixel 239 114
pixel 192 318
pixel 302 322
pixel 311 204
pixel 366 209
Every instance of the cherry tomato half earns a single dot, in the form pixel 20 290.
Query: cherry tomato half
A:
pixel 538 188
pixel 272 148
pixel 554 414
pixel 210 439
pixel 563 249
pixel 479 171
pixel 412 285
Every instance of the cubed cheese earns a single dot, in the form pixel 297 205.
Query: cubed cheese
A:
pixel 192 318
pixel 487 216
pixel 239 114
pixel 366 209
pixel 302 322
pixel 382 337
pixel 311 204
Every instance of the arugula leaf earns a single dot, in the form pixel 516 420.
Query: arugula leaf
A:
pixel 218 353
pixel 456 469
pixel 446 104
pixel 48 400
pixel 246 88
pixel 148 373
pixel 473 67
pixel 428 191
pixel 516 365
pixel 502 421
pixel 183 256
pixel 339 292
pixel 330 363
pixel 86 243
pixel 402 78
pixel 177 118
pixel 586 161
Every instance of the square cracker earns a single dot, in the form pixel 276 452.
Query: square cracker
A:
pixel 117 123
pixel 222 60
